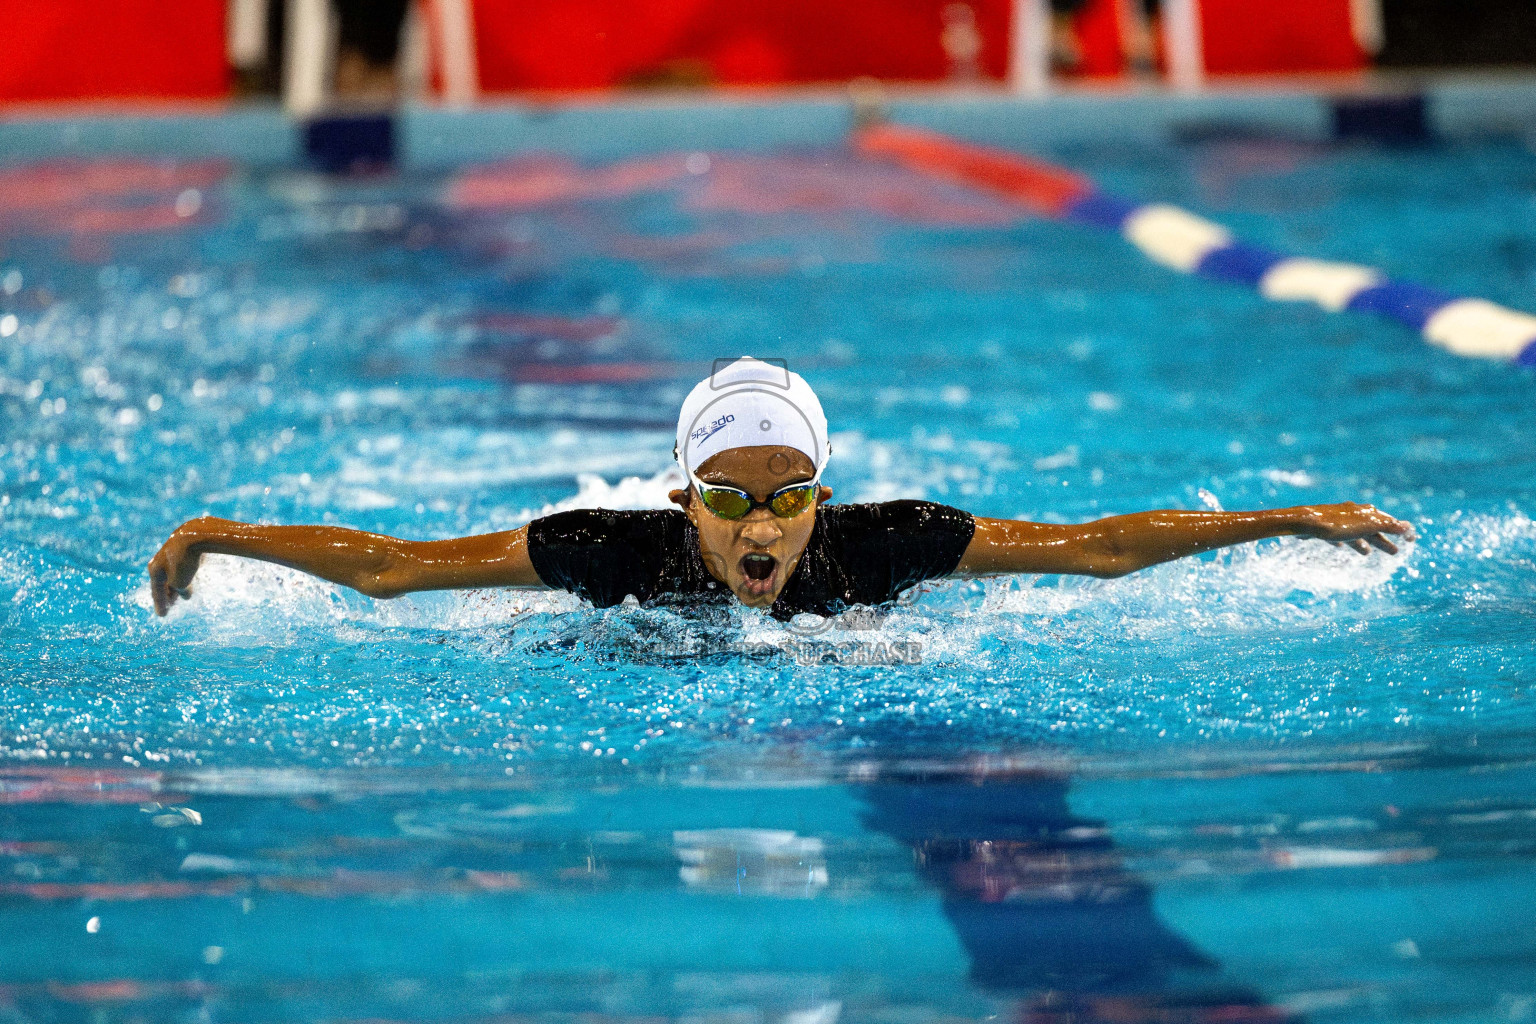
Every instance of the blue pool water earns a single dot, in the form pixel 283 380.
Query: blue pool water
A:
pixel 1280 782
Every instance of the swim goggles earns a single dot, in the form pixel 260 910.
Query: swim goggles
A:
pixel 734 503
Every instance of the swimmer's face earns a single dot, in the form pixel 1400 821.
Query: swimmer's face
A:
pixel 756 554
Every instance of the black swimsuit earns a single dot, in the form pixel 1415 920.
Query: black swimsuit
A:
pixel 857 554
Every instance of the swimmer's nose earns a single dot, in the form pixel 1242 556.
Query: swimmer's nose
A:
pixel 762 531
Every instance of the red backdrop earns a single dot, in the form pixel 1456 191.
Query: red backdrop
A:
pixel 1239 37
pixel 103 49
pixel 586 44
pixel 1255 36
pixel 1098 37
pixel 93 49
pixel 583 44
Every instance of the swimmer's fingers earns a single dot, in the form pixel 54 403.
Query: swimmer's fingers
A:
pixel 1374 540
pixel 1387 527
pixel 159 586
pixel 1380 543
pixel 170 575
pixel 1400 528
pixel 1381 524
pixel 1353 524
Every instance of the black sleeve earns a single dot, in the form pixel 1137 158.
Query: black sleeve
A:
pixel 892 545
pixel 602 555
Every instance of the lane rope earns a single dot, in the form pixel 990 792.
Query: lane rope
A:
pixel 1188 243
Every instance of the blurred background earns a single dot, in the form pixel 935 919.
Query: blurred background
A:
pixel 315 53
pixel 1279 784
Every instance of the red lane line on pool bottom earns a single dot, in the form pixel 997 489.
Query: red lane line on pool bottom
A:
pixel 1042 188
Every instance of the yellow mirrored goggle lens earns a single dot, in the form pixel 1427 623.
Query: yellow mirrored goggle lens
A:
pixel 725 503
pixel 787 504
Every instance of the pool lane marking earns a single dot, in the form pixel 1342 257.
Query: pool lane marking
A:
pixel 1190 244
pixel 1043 188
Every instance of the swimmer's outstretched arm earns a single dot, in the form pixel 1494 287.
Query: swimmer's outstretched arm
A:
pixel 1123 544
pixel 371 563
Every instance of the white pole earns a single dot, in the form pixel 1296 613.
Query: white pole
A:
pixel 1181 35
pixel 307 56
pixel 1365 19
pixel 1029 48
pixel 461 78
pixel 247 33
pixel 412 66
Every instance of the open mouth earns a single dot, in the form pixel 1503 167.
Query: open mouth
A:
pixel 758 569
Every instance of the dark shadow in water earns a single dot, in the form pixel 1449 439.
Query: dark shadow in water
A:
pixel 1043 905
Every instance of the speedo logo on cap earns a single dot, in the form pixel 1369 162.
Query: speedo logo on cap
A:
pixel 708 431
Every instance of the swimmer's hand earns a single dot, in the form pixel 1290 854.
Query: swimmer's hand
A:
pixel 370 563
pixel 1361 527
pixel 173 567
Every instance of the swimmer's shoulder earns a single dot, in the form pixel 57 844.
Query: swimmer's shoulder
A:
pixel 604 555
pixel 884 547
pixel 586 527
pixel 903 516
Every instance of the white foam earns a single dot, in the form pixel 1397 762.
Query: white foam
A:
pixel 1318 569
pixel 1241 590
pixel 483 469
pixel 258 601
pixel 241 593
pixel 890 471
pixel 363 499
pixel 11 573
pixel 1485 537
pixel 631 492
pixel 1289 477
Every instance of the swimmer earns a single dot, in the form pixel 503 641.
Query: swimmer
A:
pixel 753 524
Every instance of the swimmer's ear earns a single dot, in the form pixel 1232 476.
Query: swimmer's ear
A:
pixel 825 495
pixel 684 499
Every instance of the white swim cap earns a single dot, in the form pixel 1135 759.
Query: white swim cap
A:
pixel 747 402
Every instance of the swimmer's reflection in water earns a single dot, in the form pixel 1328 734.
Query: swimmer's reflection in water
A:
pixel 753 524
pixel 1043 905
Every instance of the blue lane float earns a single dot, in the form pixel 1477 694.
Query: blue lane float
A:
pixel 1466 326
pixel 1190 244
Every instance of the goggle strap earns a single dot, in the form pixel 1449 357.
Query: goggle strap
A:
pixel 700 485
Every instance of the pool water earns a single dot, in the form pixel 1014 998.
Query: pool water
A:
pixel 1276 782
